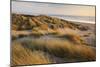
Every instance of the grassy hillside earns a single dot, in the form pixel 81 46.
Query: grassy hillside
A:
pixel 28 22
pixel 44 40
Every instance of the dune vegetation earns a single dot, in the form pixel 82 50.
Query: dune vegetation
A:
pixel 46 40
pixel 22 56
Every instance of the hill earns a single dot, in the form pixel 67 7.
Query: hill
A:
pixel 23 22
pixel 44 39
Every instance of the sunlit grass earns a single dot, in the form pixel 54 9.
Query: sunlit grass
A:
pixel 43 40
pixel 23 56
pixel 56 47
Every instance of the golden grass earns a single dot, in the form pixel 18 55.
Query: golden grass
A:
pixel 71 36
pixel 23 56
pixel 62 47
pixel 66 45
pixel 75 38
pixel 56 47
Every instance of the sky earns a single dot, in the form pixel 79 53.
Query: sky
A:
pixel 50 8
pixel 35 8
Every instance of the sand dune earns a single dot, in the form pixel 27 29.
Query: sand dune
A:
pixel 43 39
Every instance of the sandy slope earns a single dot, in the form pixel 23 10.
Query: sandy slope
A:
pixel 60 40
